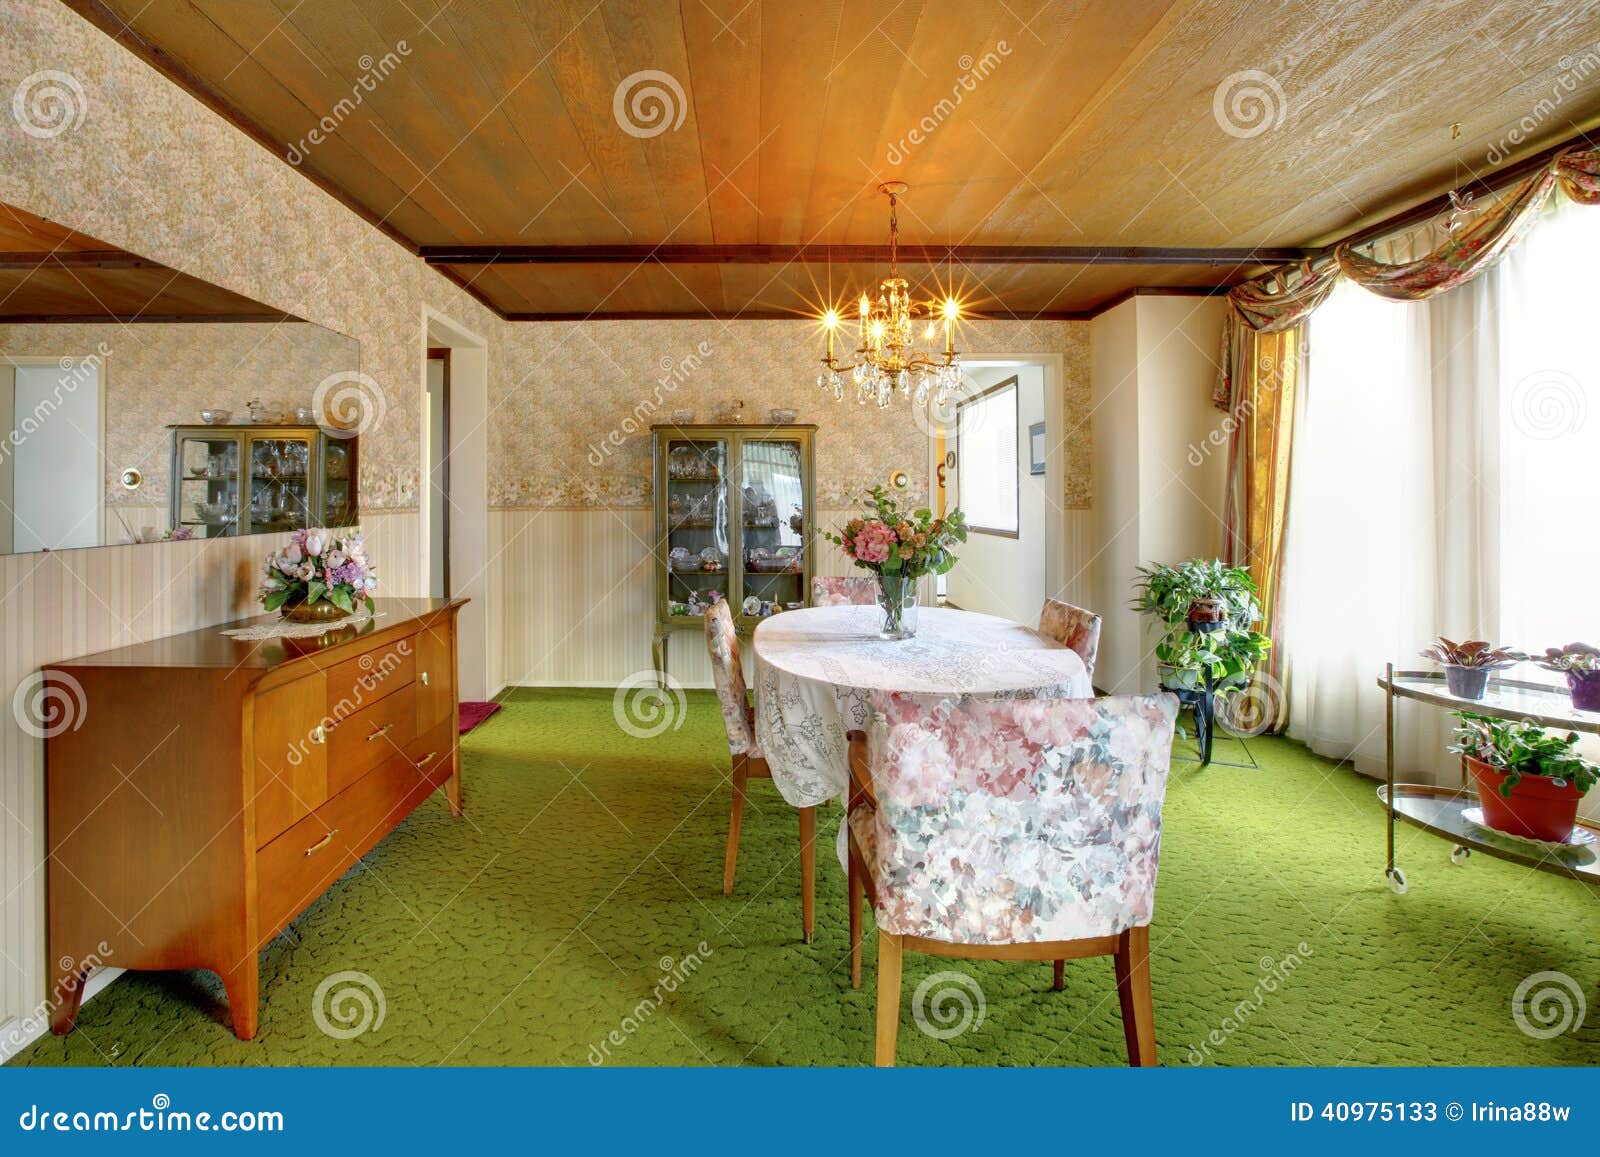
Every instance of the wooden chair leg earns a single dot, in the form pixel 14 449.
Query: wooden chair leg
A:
pixel 1061 975
pixel 857 890
pixel 889 960
pixel 808 871
pixel 741 775
pixel 1133 990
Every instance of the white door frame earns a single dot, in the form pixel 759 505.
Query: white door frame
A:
pixel 1055 536
pixel 469 489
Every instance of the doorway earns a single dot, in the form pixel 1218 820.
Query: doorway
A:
pixel 438 390
pixel 455 489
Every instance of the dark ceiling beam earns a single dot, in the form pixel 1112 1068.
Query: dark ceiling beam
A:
pixel 78 259
pixel 851 255
pixel 141 318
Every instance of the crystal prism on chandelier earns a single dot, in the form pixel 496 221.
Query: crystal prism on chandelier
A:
pixel 887 355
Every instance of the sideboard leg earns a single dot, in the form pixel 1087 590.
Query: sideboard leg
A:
pixel 244 996
pixel 66 990
pixel 452 786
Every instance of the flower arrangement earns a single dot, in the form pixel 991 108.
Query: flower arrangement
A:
pixel 319 567
pixel 900 549
pixel 888 542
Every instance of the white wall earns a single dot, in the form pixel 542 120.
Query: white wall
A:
pixel 999 575
pixel 1152 363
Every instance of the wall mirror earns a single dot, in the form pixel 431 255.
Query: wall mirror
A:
pixel 141 404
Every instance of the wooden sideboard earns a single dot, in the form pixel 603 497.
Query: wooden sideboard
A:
pixel 209 789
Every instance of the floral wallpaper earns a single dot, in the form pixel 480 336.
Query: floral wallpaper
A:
pixel 159 374
pixel 572 404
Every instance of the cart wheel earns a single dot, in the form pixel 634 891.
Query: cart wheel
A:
pixel 1397 881
pixel 1459 854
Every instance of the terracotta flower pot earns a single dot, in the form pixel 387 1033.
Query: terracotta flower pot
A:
pixel 1536 809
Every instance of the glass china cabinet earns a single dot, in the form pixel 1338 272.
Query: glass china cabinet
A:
pixel 734 506
pixel 261 479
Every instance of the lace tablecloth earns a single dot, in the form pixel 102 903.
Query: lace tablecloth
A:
pixel 284 629
pixel 815 670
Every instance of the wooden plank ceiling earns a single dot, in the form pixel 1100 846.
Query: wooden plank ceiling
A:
pixel 1128 125
pixel 51 273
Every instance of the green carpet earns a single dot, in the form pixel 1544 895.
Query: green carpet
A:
pixel 589 862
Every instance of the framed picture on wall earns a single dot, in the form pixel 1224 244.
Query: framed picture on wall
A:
pixel 1036 449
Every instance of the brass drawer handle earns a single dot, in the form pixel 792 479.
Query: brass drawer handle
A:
pixel 319 734
pixel 425 679
pixel 322 843
pixel 384 730
pixel 426 759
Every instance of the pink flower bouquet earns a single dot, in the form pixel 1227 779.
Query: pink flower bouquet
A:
pixel 888 542
pixel 319 566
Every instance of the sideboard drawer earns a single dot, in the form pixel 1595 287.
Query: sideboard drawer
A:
pixel 362 741
pixel 358 683
pixel 301 864
pixel 433 754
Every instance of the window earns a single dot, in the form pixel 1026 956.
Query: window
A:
pixel 986 460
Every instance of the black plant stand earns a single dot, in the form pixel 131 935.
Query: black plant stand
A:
pixel 1202 700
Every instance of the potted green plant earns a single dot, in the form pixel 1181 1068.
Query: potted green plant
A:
pixel 1208 611
pixel 1529 780
pixel 1467 665
pixel 1209 646
pixel 1580 663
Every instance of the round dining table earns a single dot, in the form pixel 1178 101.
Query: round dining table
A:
pixel 816 670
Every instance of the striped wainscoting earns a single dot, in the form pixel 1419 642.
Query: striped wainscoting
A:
pixel 57 605
pixel 571 595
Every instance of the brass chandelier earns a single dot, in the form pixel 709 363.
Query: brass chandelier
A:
pixel 887 354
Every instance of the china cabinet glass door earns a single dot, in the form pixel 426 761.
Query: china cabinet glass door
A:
pixel 772 519
pixel 338 482
pixel 279 494
pixel 208 485
pixel 697 521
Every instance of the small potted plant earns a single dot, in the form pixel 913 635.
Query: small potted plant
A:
pixel 1580 663
pixel 1467 665
pixel 1529 780
pixel 899 549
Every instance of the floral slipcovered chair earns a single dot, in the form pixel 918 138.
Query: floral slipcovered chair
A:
pixel 827 591
pixel 722 641
pixel 1010 830
pixel 1072 627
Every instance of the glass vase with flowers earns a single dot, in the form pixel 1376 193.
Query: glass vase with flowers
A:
pixel 899 549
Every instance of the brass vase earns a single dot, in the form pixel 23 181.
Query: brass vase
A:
pixel 321 611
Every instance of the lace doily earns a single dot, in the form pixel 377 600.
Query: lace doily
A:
pixel 284 629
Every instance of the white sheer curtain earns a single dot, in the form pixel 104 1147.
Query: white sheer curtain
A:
pixel 1447 460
